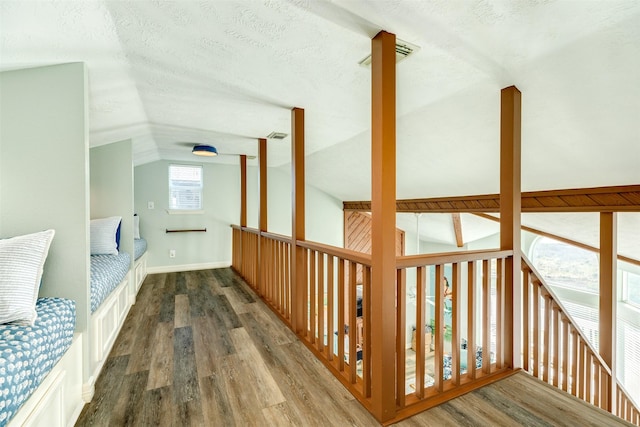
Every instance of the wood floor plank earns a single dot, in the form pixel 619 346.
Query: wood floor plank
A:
pixel 161 365
pixel 98 413
pixel 215 405
pixel 185 373
pixel 140 354
pixel 260 378
pixel 130 401
pixel 182 314
pixel 156 409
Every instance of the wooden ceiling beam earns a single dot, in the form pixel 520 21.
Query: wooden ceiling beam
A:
pixel 624 198
pixel 457 229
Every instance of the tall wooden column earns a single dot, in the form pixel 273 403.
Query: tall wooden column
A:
pixel 608 296
pixel 510 209
pixel 298 265
pixel 262 156
pixel 243 190
pixel 262 213
pixel 383 216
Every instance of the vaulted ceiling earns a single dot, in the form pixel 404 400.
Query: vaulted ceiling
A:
pixel 170 73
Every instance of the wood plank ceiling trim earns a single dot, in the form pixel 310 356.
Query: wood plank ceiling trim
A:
pixel 599 199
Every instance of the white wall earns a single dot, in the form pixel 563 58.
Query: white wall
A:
pixel 221 203
pixel 44 171
pixel 112 187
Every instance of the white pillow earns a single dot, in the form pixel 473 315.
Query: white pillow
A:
pixel 136 227
pixel 103 235
pixel 21 262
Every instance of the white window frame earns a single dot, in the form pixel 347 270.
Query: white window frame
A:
pixel 177 208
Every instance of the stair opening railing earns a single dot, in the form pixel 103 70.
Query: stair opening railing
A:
pixel 337 308
pixel 558 352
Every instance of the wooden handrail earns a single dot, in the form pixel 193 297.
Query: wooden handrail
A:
pixel 359 257
pixel 528 265
pixel 409 261
pixel 277 237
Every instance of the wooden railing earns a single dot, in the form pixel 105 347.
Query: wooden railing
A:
pixel 558 352
pixel 337 308
pixel 469 321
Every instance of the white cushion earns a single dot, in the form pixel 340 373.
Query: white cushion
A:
pixel 103 235
pixel 21 262
pixel 136 227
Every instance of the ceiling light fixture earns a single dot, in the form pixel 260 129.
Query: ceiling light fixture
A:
pixel 205 150
pixel 277 135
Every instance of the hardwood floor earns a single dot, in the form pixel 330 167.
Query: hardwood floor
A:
pixel 198 348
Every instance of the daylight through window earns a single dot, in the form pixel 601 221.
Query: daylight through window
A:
pixel 185 187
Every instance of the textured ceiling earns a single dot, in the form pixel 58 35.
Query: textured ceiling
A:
pixel 170 73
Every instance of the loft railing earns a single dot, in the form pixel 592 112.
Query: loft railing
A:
pixel 336 301
pixel 458 341
pixel 558 352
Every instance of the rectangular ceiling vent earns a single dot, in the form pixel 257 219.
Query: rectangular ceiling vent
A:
pixel 403 49
pixel 277 135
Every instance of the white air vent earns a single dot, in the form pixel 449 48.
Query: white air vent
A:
pixel 277 135
pixel 403 49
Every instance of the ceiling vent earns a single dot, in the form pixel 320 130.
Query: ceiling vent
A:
pixel 403 49
pixel 277 135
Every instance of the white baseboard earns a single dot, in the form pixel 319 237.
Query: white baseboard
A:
pixel 188 267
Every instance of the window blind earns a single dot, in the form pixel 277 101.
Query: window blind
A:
pixel 185 187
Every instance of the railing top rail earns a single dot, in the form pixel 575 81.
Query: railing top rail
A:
pixel 275 236
pixel 247 229
pixel 526 264
pixel 348 254
pixel 408 261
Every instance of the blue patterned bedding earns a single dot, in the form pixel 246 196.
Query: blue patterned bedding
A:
pixel 28 353
pixel 139 248
pixel 107 271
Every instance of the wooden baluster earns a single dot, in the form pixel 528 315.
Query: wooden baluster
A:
pixel 486 317
pixel 321 306
pixel 471 319
pixel 401 322
pixel 500 268
pixel 596 384
pixel 575 361
pixel 566 355
pixel 330 306
pixel 421 276
pixel 556 343
pixel 456 276
pixel 526 316
pixel 366 315
pixel 581 369
pixel 588 376
pixel 312 297
pixel 353 327
pixel 340 309
pixel 438 333
pixel 287 282
pixel 537 330
pixel 546 340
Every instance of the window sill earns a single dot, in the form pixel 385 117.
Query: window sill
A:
pixel 185 212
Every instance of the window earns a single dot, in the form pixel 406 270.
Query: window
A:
pixel 185 187
pixel 631 288
pixel 565 265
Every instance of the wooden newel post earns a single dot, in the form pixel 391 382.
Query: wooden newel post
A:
pixel 383 216
pixel 298 264
pixel 609 298
pixel 510 209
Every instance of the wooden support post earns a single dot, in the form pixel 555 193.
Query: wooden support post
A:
pixel 510 209
pixel 298 264
pixel 608 298
pixel 262 156
pixel 243 190
pixel 383 215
